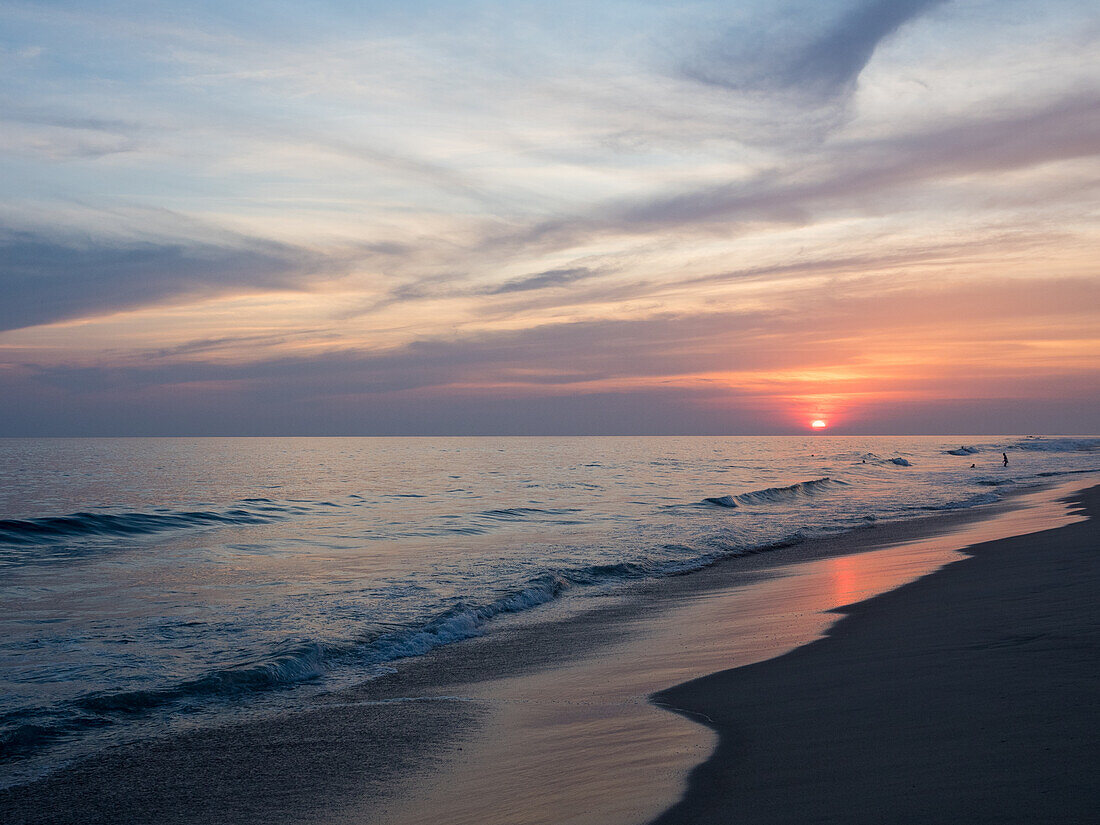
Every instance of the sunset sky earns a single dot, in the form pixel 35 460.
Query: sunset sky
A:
pixel 624 216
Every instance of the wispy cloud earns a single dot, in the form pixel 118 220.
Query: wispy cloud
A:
pixel 802 55
pixel 542 280
pixel 54 277
pixel 843 174
pixel 846 328
pixel 369 202
pixel 872 347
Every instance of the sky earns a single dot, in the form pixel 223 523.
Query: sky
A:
pixel 614 217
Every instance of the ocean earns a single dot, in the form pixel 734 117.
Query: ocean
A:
pixel 152 585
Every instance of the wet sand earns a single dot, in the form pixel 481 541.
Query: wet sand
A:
pixel 967 696
pixel 546 719
pixel 580 742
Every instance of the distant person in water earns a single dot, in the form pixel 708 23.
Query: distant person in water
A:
pixel 1005 457
pixel 972 466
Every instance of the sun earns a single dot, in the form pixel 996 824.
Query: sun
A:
pixel 818 424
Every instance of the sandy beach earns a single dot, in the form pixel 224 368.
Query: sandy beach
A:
pixel 966 694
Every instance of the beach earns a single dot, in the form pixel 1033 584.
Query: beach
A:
pixel 967 696
pixel 965 693
pixel 505 413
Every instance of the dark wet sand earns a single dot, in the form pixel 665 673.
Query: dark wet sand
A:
pixel 968 696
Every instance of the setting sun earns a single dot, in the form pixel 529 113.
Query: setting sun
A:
pixel 818 424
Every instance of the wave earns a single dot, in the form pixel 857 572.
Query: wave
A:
pixel 50 529
pixel 27 731
pixel 1057 445
pixel 973 501
pixel 26 737
pixel 963 451
pixel 722 501
pixel 297 662
pixel 293 664
pixel 519 513
pixel 775 495
pixel 873 458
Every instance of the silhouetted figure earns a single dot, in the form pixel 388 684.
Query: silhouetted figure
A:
pixel 972 466
pixel 1005 457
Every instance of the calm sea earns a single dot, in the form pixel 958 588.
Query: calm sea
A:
pixel 148 584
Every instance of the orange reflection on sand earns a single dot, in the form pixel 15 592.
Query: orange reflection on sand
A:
pixel 860 576
pixel 857 577
pixel 846 579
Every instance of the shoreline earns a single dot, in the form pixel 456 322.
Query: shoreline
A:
pixel 364 753
pixel 965 696
pixel 580 743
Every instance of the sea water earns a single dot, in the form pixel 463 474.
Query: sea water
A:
pixel 148 585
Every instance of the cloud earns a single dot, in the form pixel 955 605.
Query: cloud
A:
pixel 803 56
pixel 327 396
pixel 504 166
pixel 844 174
pixel 1063 130
pixel 845 327
pixel 59 137
pixel 232 343
pixel 666 373
pixel 550 354
pixel 453 285
pixel 542 280
pixel 46 278
pixel 38 115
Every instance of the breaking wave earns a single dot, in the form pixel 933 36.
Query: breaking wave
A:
pixel 298 662
pixel 521 513
pixel 973 501
pixel 774 495
pixel 1058 445
pixel 51 529
pixel 54 539
pixel 722 501
pixel 873 458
